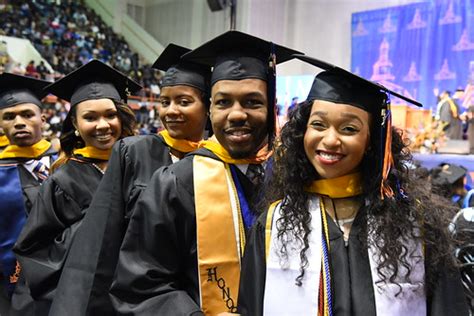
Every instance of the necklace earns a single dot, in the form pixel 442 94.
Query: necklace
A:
pixel 98 168
pixel 344 224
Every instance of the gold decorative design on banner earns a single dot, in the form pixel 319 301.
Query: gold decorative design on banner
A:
pixel 16 275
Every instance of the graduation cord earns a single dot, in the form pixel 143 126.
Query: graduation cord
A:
pixel 325 291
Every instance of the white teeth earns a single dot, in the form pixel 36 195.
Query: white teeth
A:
pixel 102 137
pixel 329 156
pixel 239 133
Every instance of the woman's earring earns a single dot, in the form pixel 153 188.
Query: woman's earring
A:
pixel 76 132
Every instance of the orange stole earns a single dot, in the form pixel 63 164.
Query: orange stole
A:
pixel 218 253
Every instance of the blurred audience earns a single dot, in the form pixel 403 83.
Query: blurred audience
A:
pixel 68 34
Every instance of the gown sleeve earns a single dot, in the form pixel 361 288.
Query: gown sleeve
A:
pixel 45 239
pixel 82 288
pixel 84 284
pixel 253 274
pixel 151 276
pixel 447 297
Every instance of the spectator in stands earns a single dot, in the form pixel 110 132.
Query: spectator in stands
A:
pixel 42 70
pixel 18 69
pixel 31 69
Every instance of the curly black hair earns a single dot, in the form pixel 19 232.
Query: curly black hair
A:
pixel 395 220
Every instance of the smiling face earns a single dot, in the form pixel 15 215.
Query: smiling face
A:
pixel 183 112
pixel 239 111
pixel 22 124
pixel 336 138
pixel 98 123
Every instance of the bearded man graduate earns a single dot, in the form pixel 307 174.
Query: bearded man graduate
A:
pixel 181 253
pixel 24 165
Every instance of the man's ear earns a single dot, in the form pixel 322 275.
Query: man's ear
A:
pixel 43 120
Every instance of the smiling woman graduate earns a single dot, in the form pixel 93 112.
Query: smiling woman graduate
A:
pixel 351 233
pixel 98 118
pixel 88 271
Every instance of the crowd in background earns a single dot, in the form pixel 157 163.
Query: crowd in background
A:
pixel 68 34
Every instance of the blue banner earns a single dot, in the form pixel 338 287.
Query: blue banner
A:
pixel 418 50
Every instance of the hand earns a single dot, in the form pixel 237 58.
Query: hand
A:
pixel 227 313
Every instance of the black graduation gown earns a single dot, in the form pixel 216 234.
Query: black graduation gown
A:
pixel 46 237
pixel 87 274
pixel 30 186
pixel 157 271
pixel 351 277
pixel 453 129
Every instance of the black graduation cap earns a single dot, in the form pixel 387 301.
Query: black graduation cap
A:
pixel 94 80
pixel 179 72
pixel 450 173
pixel 16 89
pixel 341 86
pixel 236 56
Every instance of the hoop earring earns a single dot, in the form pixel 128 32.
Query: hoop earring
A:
pixel 76 132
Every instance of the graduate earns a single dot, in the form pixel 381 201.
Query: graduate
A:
pixel 184 102
pixel 99 116
pixel 352 233
pixel 181 253
pixel 24 165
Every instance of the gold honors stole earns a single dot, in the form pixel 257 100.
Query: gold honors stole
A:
pixel 93 152
pixel 181 145
pixel 33 151
pixel 219 228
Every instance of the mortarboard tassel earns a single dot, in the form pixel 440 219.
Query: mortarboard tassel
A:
pixel 385 189
pixel 272 94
